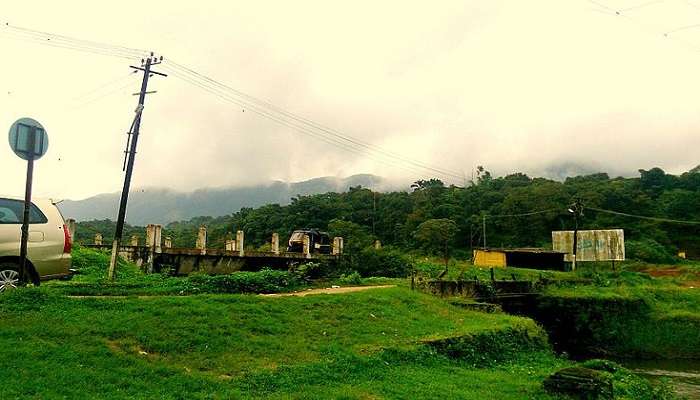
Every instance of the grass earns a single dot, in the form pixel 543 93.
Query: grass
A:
pixel 361 345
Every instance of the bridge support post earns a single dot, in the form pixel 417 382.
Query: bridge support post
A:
pixel 230 245
pixel 337 246
pixel 98 239
pixel 153 244
pixel 134 240
pixel 377 244
pixel 168 242
pixel 276 243
pixel 306 251
pixel 240 243
pixel 202 239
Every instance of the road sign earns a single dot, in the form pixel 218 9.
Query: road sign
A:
pixel 28 139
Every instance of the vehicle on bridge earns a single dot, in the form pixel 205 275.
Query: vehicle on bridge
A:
pixel 319 242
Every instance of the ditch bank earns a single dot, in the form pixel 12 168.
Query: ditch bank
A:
pixel 615 326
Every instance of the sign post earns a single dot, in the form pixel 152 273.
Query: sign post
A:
pixel 29 141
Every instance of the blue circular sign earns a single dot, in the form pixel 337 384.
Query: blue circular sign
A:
pixel 28 139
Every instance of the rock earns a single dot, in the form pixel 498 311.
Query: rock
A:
pixel 580 383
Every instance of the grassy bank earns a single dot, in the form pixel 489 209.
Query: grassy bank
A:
pixel 627 315
pixel 375 344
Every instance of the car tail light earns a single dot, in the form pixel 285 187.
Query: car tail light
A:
pixel 67 240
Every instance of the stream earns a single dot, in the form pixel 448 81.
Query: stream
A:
pixel 684 375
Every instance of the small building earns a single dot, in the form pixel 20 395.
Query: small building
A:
pixel 520 258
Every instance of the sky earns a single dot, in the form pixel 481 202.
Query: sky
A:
pixel 546 87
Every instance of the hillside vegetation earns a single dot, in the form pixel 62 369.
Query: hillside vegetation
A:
pixel 361 215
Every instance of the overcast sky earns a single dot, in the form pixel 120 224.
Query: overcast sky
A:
pixel 533 86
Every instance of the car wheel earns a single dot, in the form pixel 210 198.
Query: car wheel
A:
pixel 9 277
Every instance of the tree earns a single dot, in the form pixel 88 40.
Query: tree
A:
pixel 436 236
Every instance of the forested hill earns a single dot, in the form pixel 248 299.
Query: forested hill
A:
pixel 161 206
pixel 361 215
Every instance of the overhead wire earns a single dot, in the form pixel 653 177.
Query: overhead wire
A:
pixel 103 95
pixel 522 214
pixel 656 219
pixel 300 126
pixel 67 42
pixel 295 127
pixel 312 124
pixel 105 85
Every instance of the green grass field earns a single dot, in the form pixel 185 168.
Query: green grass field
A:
pixel 147 339
pixel 361 345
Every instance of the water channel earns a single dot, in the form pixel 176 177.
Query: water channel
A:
pixel 683 375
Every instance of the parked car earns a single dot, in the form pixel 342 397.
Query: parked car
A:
pixel 49 245
pixel 319 242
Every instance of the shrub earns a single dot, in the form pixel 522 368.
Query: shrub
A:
pixel 649 250
pixel 383 262
pixel 350 279
pixel 264 281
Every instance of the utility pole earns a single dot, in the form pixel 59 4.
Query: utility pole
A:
pixel 130 155
pixel 576 210
pixel 483 228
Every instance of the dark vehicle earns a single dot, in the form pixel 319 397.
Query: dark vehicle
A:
pixel 319 242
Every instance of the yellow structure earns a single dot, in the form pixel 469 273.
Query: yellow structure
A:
pixel 489 258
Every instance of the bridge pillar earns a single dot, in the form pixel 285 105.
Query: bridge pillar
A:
pixel 230 245
pixel 134 240
pixel 98 239
pixel 153 244
pixel 377 244
pixel 168 242
pixel 240 237
pixel 276 243
pixel 337 246
pixel 306 251
pixel 70 224
pixel 202 239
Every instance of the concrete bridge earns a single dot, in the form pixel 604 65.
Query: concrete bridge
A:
pixel 158 255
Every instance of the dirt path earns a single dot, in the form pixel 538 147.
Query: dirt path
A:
pixel 331 290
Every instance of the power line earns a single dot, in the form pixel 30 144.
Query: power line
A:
pixel 523 214
pixel 67 42
pixel 300 129
pixel 656 219
pixel 309 124
pixel 105 85
pixel 103 95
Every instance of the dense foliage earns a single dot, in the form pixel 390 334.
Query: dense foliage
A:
pixel 361 215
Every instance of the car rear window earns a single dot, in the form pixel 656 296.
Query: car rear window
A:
pixel 11 212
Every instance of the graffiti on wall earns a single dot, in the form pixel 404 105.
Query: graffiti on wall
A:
pixel 594 245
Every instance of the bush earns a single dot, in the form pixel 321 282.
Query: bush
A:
pixel 264 281
pixel 383 262
pixel 350 279
pixel 650 251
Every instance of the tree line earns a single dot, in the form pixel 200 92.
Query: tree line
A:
pixel 361 215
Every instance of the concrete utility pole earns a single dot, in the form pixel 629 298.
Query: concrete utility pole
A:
pixel 130 155
pixel 576 210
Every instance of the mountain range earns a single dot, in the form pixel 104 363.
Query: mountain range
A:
pixel 162 205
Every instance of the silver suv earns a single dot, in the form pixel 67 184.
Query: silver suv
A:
pixel 49 246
